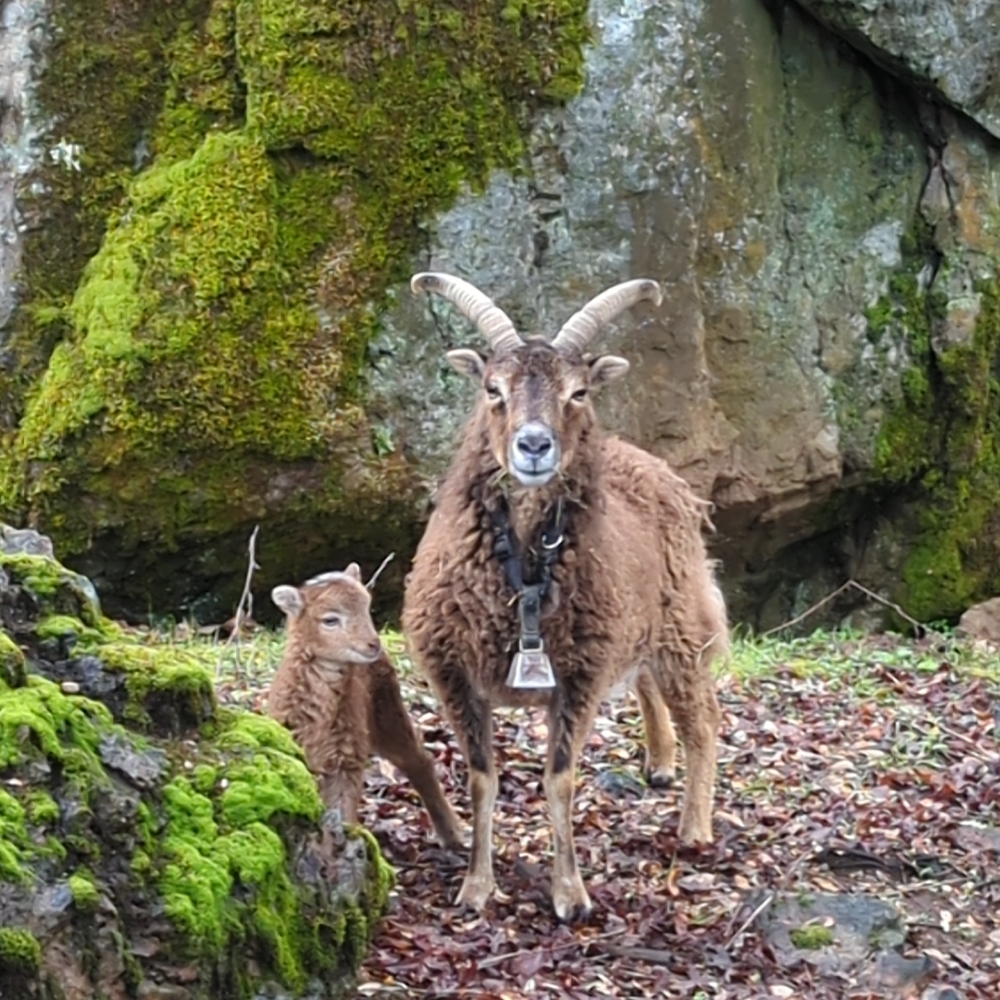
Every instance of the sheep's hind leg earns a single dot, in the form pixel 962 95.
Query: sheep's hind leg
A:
pixel 691 694
pixel 568 727
pixel 661 743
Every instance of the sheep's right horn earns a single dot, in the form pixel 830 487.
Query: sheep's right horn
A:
pixel 584 325
pixel 493 323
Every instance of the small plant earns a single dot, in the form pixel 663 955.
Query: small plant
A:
pixel 810 937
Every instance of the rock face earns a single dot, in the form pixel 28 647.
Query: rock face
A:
pixel 821 206
pixel 951 46
pixel 151 843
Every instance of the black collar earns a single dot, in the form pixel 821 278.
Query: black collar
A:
pixel 530 595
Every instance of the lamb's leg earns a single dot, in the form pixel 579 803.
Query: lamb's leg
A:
pixel 394 737
pixel 471 719
pixel 570 720
pixel 661 743
pixel 341 789
pixel 690 691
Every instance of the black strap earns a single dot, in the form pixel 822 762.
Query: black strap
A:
pixel 530 596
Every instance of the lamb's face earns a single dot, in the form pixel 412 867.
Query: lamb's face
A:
pixel 538 404
pixel 331 617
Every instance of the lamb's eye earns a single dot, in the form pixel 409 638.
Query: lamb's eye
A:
pixel 493 393
pixel 333 621
pixel 579 396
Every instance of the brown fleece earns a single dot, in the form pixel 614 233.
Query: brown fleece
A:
pixel 340 708
pixel 634 599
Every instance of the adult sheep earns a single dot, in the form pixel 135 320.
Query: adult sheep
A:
pixel 557 562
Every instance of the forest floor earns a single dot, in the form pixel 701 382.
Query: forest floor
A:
pixel 857 851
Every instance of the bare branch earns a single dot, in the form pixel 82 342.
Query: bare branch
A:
pixel 385 562
pixel 246 599
pixel 919 629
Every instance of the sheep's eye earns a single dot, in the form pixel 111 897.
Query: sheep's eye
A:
pixel 579 396
pixel 332 621
pixel 493 393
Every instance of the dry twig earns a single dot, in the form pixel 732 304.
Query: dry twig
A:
pixel 385 562
pixel 246 600
pixel 919 629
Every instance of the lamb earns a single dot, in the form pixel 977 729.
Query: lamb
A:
pixel 558 562
pixel 337 691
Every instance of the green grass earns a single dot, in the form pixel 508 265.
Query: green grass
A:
pixel 847 660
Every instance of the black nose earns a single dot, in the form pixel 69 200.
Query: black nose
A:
pixel 534 443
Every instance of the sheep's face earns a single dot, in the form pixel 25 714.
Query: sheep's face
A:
pixel 330 617
pixel 538 403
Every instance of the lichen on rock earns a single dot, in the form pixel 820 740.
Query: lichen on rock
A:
pixel 117 812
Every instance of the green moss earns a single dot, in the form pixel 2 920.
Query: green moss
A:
pixel 20 952
pixel 40 719
pixel 13 839
pixel 41 808
pixel 943 433
pixel 101 91
pixel 811 936
pixel 219 334
pixel 381 877
pixel 166 685
pixel 87 637
pixel 11 662
pixel 55 589
pixel 226 872
pixel 86 895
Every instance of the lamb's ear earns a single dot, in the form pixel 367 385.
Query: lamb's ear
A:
pixel 289 599
pixel 354 572
pixel 606 369
pixel 467 362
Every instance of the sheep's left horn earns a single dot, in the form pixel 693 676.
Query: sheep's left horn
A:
pixel 583 326
pixel 493 323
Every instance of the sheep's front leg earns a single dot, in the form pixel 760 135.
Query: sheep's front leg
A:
pixel 472 719
pixel 569 724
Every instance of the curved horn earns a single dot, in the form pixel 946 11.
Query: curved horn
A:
pixel 493 323
pixel 583 326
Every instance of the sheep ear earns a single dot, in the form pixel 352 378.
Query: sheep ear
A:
pixel 606 369
pixel 289 599
pixel 354 572
pixel 467 362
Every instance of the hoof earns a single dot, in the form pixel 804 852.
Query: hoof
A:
pixel 694 834
pixel 571 902
pixel 454 841
pixel 659 779
pixel 475 892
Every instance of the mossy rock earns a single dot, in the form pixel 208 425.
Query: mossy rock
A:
pixel 131 852
pixel 200 367
pixel 11 663
pixel 940 439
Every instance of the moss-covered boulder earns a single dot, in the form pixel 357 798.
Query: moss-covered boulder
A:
pixel 237 184
pixel 152 843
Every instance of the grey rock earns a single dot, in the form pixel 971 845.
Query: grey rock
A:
pixel 144 768
pixel 25 541
pixel 23 27
pixel 52 905
pixel 620 784
pixel 952 46
pixel 859 926
pixel 981 621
